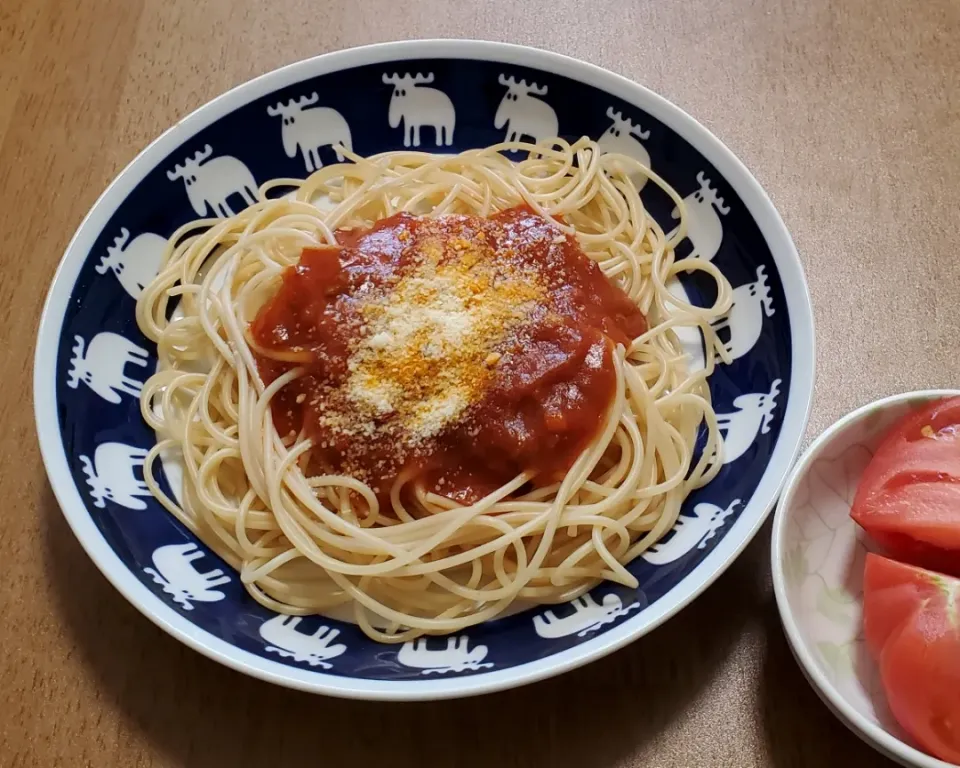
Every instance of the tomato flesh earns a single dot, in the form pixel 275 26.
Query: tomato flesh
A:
pixel 911 621
pixel 908 499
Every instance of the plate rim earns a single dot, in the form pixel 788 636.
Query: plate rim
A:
pixel 734 173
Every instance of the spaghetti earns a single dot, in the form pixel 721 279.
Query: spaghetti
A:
pixel 307 527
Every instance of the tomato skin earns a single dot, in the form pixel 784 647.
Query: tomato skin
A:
pixel 911 621
pixel 908 498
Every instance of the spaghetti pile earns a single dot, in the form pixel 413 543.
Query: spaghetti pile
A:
pixel 307 529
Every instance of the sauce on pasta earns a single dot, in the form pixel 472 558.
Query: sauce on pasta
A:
pixel 456 352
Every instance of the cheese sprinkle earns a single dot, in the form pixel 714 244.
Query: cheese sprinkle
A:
pixel 429 342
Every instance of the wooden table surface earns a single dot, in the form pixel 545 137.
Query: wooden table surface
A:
pixel 847 111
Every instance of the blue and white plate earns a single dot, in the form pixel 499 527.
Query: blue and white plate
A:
pixel 439 96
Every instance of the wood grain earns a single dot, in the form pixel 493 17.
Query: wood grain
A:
pixel 848 113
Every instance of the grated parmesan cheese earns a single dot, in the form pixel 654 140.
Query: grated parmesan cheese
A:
pixel 429 340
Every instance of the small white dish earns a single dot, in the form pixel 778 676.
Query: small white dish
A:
pixel 817 557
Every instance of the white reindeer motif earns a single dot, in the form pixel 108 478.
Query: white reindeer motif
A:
pixel 588 616
pixel 690 336
pixel 622 138
pixel 745 319
pixel 417 106
pixel 102 367
pixel 285 641
pixel 179 579
pixel 111 475
pixel 524 115
pixel 704 229
pixel 214 181
pixel 742 426
pixel 456 657
pixel 690 533
pixel 310 129
pixel 136 264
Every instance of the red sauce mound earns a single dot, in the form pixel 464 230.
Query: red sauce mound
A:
pixel 458 351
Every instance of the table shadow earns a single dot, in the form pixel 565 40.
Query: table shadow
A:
pixel 199 713
pixel 798 727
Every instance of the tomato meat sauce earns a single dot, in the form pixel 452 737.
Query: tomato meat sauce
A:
pixel 456 351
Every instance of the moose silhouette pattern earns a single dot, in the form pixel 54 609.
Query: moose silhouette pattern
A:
pixel 455 656
pixel 689 336
pixel 751 303
pixel 102 365
pixel 704 228
pixel 285 640
pixel 524 115
pixel 690 532
pixel 308 130
pixel 416 107
pixel 111 475
pixel 753 417
pixel 210 181
pixel 588 616
pixel 175 573
pixel 623 138
pixel 135 263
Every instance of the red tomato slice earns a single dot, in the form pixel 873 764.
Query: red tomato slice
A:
pixel 908 499
pixel 911 620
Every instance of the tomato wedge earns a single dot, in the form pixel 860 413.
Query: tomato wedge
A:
pixel 908 499
pixel 911 621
